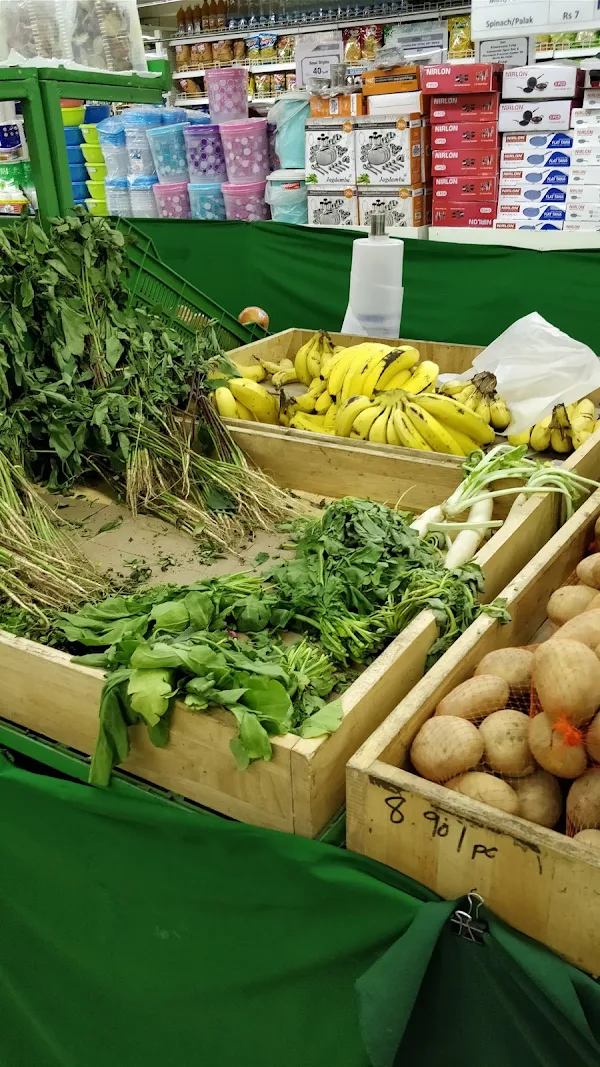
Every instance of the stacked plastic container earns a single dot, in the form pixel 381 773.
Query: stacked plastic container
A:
pixel 206 164
pixel 94 160
pixel 244 142
pixel 286 185
pixel 73 114
pixel 167 147
pixel 111 135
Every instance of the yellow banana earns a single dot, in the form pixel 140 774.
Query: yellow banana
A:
pixel 365 384
pixel 408 434
pixel 361 427
pixel 378 431
pixel 255 372
pixel 273 368
pixel 338 372
pixel 467 443
pixel 454 415
pixel 500 416
pixel 225 402
pixel 391 432
pixel 243 412
pixel 301 421
pixel 561 417
pixel 483 408
pixel 301 361
pixel 437 436
pixel 583 416
pixel 515 439
pixel 329 423
pixel 560 440
pixel 452 388
pixel 284 377
pixel 328 364
pixel 255 397
pixel 398 359
pixel 398 381
pixel 423 377
pixel 353 380
pixel 317 386
pixel 579 437
pixel 306 402
pixel 323 403
pixel 541 434
pixel 347 413
pixel 314 358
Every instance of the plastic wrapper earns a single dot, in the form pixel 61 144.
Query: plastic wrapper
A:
pixel 183 57
pixel 279 82
pixel 253 47
pixel 285 48
pixel 222 51
pixel 263 84
pixel 290 81
pixel 33 29
pixel 105 34
pixel 268 46
pixel 460 45
pixel 352 47
pixel 202 54
pixel 371 39
pixel 239 50
pixel 191 86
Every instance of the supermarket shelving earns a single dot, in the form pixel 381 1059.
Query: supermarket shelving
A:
pixel 252 68
pixel 537 240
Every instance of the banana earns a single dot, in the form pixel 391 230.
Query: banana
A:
pixel 243 412
pixel 347 413
pixel 391 432
pixel 422 378
pixel 354 378
pixel 583 416
pixel 301 361
pixel 273 368
pixel 560 440
pixel 338 372
pixel 375 368
pixel 500 416
pixel 561 417
pixel 515 439
pixel 301 421
pixel 284 377
pixel 483 408
pixel 437 436
pixel 255 372
pixel 323 403
pixel 579 437
pixel 452 388
pixel 255 397
pixel 225 402
pixel 329 423
pixel 314 358
pixel 378 431
pixel 361 427
pixel 408 435
pixel 306 403
pixel 328 364
pixel 465 442
pixel 454 415
pixel 541 434
pixel 398 381
pixel 398 359
pixel 317 386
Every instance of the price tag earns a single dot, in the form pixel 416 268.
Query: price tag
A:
pixel 508 18
pixel 315 53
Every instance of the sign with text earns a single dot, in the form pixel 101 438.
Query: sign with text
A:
pixel 506 18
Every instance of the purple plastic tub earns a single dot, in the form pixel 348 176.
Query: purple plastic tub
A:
pixel 245 201
pixel 227 93
pixel 246 150
pixel 206 160
pixel 173 201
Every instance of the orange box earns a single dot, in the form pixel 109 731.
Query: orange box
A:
pixel 347 105
pixel 395 80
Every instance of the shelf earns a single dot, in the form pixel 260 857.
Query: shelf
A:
pixel 567 53
pixel 537 240
pixel 253 68
pixel 200 101
pixel 406 233
pixel 417 13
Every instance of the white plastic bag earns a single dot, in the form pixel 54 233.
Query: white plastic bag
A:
pixel 538 366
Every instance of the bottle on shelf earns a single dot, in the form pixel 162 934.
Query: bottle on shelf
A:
pixel 244 14
pixel 181 22
pixel 221 15
pixel 189 21
pixel 232 15
pixel 197 19
pixel 205 16
pixel 212 18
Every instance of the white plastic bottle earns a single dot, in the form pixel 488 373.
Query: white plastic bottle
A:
pixel 375 301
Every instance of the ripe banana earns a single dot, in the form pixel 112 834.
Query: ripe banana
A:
pixel 579 437
pixel 408 435
pixel 454 415
pixel 284 377
pixel 500 416
pixel 329 422
pixel 391 432
pixel 301 361
pixel 314 358
pixel 378 431
pixel 437 436
pixel 560 440
pixel 398 381
pixel 561 417
pixel 329 363
pixel 452 388
pixel 335 380
pixel 583 416
pixel 355 375
pixel 361 427
pixel 301 421
pixel 398 359
pixel 347 413
pixel 254 372
pixel 243 412
pixel 483 408
pixel 465 442
pixel 323 403
pixel 516 439
pixel 306 402
pixel 255 397
pixel 422 378
pixel 541 434
pixel 469 396
pixel 225 402
pixel 273 368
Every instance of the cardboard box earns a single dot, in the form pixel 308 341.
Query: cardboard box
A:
pixel 586 135
pixel 591 98
pixel 332 207
pixel 585 116
pixel 403 207
pixel 535 176
pixel 583 194
pixel 395 104
pixel 585 227
pixel 480 162
pixel 583 213
pixel 586 157
pixel 545 81
pixel 517 212
pixel 476 107
pixel 388 151
pixel 536 160
pixel 465 135
pixel 522 192
pixel 330 152
pixel 425 152
pixel 585 175
pixel 404 79
pixel 428 205
pixel 462 189
pixel 535 114
pixel 343 105
pixel 539 141
pixel 499 225
pixel 461 78
pixel 474 215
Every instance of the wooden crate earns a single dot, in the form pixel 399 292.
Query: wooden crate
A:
pixel 538 880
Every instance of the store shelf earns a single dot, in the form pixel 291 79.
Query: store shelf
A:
pixel 567 53
pixel 537 240
pixel 417 13
pixel 253 68
pixel 199 101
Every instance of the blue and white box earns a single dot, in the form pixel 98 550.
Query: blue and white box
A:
pixel 583 194
pixel 528 225
pixel 535 176
pixel 519 212
pixel 586 157
pixel 582 213
pixel 515 192
pixel 585 175
pixel 541 140
pixel 538 159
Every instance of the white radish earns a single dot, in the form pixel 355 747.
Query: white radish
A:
pixel 467 542
pixel 422 522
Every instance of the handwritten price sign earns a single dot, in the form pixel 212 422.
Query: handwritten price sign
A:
pixel 441 827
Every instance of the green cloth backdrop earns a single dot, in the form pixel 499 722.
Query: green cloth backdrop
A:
pixel 140 934
pixel 466 294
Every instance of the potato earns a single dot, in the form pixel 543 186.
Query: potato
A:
pixel 568 602
pixel 566 675
pixel 487 790
pixel 584 627
pixel 446 746
pixel 507 751
pixel 512 664
pixel 583 801
pixel 594 604
pixel 475 698
pixel 588 837
pixel 597 530
pixel 539 796
pixel 592 739
pixel 549 748
pixel 588 571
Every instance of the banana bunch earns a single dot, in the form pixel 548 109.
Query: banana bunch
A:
pixel 244 398
pixel 479 395
pixel 568 427
pixel 310 358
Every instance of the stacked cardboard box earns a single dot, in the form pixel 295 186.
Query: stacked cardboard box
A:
pixel 465 143
pixel 538 147
pixel 583 195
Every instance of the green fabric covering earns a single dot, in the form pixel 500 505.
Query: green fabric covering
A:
pixel 138 934
pixel 467 294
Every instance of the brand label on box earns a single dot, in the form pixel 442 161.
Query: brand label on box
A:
pixel 508 212
pixel 402 207
pixel 332 207
pixel 330 152
pixel 583 212
pixel 475 107
pixel 388 152
pixel 583 194
pixel 498 225
pixel 586 157
pixel 591 98
pixel 521 192
pixel 463 78
pixel 545 81
pixel 544 114
pixel 586 135
pixel 585 227
pixel 535 176
pixel 540 141
pixel 586 117
pixel 537 160
pixel 465 135
pixel 585 175
pixel 460 188
pixel 481 162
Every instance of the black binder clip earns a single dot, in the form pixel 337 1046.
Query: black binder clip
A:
pixel 465 919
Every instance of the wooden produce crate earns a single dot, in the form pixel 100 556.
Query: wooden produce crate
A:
pixel 538 880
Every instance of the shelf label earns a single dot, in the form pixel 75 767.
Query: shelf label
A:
pixel 315 53
pixel 506 18
pixel 512 51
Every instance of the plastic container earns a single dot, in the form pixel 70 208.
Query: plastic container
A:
pixel 74 156
pixel 77 171
pixel 95 189
pixel 72 103
pixel 227 93
pixel 116 160
pixel 117 196
pixel 289 114
pixel 206 201
pixel 81 190
pixel 274 160
pixel 10 135
pixel 92 153
pixel 198 118
pixel 90 133
pixel 96 171
pixel 287 197
pixel 246 150
pixel 72 116
pixel 105 35
pixel 246 201
pixel 111 131
pixel 173 116
pixel 96 207
pixel 206 160
pixel 167 145
pixel 73 136
pixel 375 300
pixel 33 28
pixel 95 113
pixel 137 122
pixel 172 201
pixel 142 198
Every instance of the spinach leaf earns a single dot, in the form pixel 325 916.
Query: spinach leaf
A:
pixel 150 692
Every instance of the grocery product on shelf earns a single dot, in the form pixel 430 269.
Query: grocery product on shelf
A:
pixel 206 201
pixel 402 207
pixel 289 115
pixel 117 196
pixel 111 136
pixel 141 196
pixel 332 206
pixel 137 121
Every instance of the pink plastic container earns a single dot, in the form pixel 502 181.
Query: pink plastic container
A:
pixel 173 201
pixel 246 150
pixel 227 93
pixel 245 202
